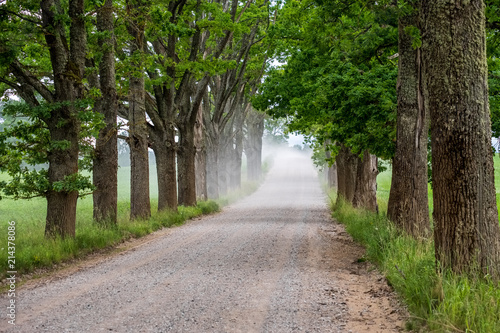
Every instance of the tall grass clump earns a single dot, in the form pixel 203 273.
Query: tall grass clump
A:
pixel 437 302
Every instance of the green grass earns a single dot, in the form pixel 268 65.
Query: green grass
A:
pixel 384 187
pixel 34 251
pixel 437 302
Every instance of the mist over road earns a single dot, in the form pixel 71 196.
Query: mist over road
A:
pixel 270 263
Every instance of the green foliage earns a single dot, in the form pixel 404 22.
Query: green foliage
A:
pixel 414 33
pixel 208 206
pixel 319 157
pixel 275 131
pixel 27 73
pixel 339 83
pixel 25 144
pixel 494 93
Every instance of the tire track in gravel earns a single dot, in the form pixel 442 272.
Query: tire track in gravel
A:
pixel 270 263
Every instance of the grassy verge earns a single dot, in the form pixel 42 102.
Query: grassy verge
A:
pixel 437 302
pixel 34 251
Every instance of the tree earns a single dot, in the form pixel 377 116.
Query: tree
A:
pixel 140 206
pixel 227 91
pixel 105 164
pixel 408 204
pixel 339 88
pixel 56 107
pixel 466 232
pixel 201 153
pixel 253 144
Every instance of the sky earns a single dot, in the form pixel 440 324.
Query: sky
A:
pixel 294 139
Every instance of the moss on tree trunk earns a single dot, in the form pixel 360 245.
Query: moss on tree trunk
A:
pixel 466 232
pixel 408 204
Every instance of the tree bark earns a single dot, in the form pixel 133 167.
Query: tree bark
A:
pixel 467 233
pixel 332 175
pixel 223 164
pixel 166 171
pixel 63 123
pixel 201 157
pixel 105 167
pixel 140 206
pixel 347 169
pixel 365 194
pixel 186 165
pixel 408 205
pixel 253 145
pixel 331 171
pixel 237 151
pixel 235 176
pixel 213 170
pixel 63 163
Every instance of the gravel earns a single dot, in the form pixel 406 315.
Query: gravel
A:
pixel 265 264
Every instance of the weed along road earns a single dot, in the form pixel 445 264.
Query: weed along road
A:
pixel 272 262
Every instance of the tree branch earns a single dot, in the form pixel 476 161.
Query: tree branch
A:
pixel 29 19
pixel 23 75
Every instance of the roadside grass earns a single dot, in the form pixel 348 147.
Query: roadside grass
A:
pixel 437 302
pixel 34 251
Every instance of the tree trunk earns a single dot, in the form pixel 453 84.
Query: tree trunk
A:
pixel 63 163
pixel 166 172
pixel 63 123
pixel 201 174
pixel 467 233
pixel 408 205
pixel 332 175
pixel 253 145
pixel 331 171
pixel 237 151
pixel 232 167
pixel 201 157
pixel 186 165
pixel 222 166
pixel 235 178
pixel 341 172
pixel 213 170
pixel 347 167
pixel 365 195
pixel 140 206
pixel 105 167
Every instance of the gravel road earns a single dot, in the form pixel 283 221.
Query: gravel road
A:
pixel 273 262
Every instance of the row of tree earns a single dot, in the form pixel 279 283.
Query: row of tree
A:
pixel 365 78
pixel 177 75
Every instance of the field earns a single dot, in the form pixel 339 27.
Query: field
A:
pixel 384 186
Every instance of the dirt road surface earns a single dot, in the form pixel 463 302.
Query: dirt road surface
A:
pixel 273 262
